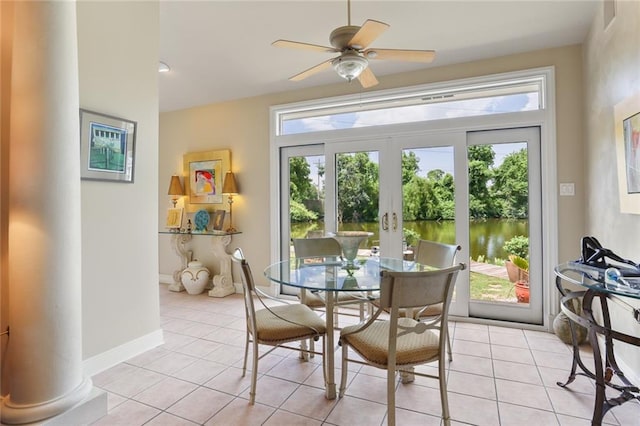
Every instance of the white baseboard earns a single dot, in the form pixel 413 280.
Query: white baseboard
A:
pixel 108 359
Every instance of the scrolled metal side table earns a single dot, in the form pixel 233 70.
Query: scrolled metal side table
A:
pixel 593 280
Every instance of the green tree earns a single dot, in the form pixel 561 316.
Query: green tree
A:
pixel 358 188
pixel 481 202
pixel 410 166
pixel 300 185
pixel 419 200
pixel 511 185
pixel 299 213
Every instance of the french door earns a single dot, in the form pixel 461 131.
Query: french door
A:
pixel 429 186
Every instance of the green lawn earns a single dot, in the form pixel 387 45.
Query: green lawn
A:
pixel 485 287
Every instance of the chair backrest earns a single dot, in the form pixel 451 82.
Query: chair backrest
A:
pixel 316 247
pixel 399 290
pixel 248 286
pixel 435 254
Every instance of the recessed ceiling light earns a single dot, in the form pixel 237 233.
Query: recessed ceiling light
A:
pixel 162 67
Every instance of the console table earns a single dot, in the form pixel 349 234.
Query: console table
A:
pixel 592 279
pixel 222 282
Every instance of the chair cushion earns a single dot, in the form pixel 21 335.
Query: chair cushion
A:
pixel 272 329
pixel 314 300
pixel 433 310
pixel 372 343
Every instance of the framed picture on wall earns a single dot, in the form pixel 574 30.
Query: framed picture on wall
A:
pixel 631 135
pixel 204 174
pixel 107 147
pixel 627 131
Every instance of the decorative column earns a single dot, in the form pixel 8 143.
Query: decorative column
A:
pixel 45 344
pixel 178 242
pixel 223 282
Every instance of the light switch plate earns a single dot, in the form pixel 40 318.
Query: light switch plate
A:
pixel 567 189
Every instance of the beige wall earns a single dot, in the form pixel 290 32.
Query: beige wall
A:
pixel 243 127
pixel 6 38
pixel 612 73
pixel 118 61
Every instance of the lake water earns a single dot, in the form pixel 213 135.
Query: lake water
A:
pixel 487 236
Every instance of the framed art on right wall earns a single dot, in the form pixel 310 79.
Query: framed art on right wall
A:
pixel 627 129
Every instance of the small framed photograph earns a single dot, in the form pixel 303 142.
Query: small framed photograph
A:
pixel 174 218
pixel 218 219
pixel 107 147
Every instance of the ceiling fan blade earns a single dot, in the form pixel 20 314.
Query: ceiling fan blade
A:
pixel 305 46
pixel 401 55
pixel 367 78
pixel 313 70
pixel 368 32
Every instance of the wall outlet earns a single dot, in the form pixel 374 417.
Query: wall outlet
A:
pixel 567 189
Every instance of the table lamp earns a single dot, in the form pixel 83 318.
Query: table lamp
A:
pixel 230 188
pixel 175 189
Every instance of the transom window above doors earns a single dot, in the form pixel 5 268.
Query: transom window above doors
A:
pixel 475 97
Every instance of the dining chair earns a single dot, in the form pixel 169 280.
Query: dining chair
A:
pixel 274 325
pixel 400 343
pixel 311 249
pixel 438 255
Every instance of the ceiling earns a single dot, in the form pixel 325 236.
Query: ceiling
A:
pixel 221 50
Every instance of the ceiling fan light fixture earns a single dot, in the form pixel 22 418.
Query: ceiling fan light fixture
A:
pixel 350 65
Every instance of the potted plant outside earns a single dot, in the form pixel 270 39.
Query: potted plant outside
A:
pixel 522 282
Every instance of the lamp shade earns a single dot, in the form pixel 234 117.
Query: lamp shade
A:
pixel 229 186
pixel 175 187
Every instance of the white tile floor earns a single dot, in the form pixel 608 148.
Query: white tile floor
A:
pixel 499 376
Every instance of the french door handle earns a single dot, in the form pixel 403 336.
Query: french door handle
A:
pixel 385 222
pixel 395 221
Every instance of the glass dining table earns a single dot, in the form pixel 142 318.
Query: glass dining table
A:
pixel 332 276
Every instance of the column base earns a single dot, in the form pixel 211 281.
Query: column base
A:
pixel 48 412
pixel 176 287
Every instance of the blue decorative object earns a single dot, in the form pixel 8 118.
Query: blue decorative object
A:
pixel 201 220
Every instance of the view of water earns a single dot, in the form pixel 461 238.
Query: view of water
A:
pixel 487 236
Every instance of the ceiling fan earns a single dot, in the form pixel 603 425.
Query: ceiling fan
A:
pixel 351 42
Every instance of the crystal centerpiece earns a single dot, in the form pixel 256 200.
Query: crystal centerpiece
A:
pixel 350 242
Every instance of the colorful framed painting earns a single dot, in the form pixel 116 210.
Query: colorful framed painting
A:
pixel 107 147
pixel 627 130
pixel 204 174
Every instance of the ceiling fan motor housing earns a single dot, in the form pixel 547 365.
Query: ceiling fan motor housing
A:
pixel 341 36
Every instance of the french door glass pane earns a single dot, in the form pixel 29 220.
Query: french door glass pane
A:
pixel 358 190
pixel 499 222
pixel 428 206
pixel 306 197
